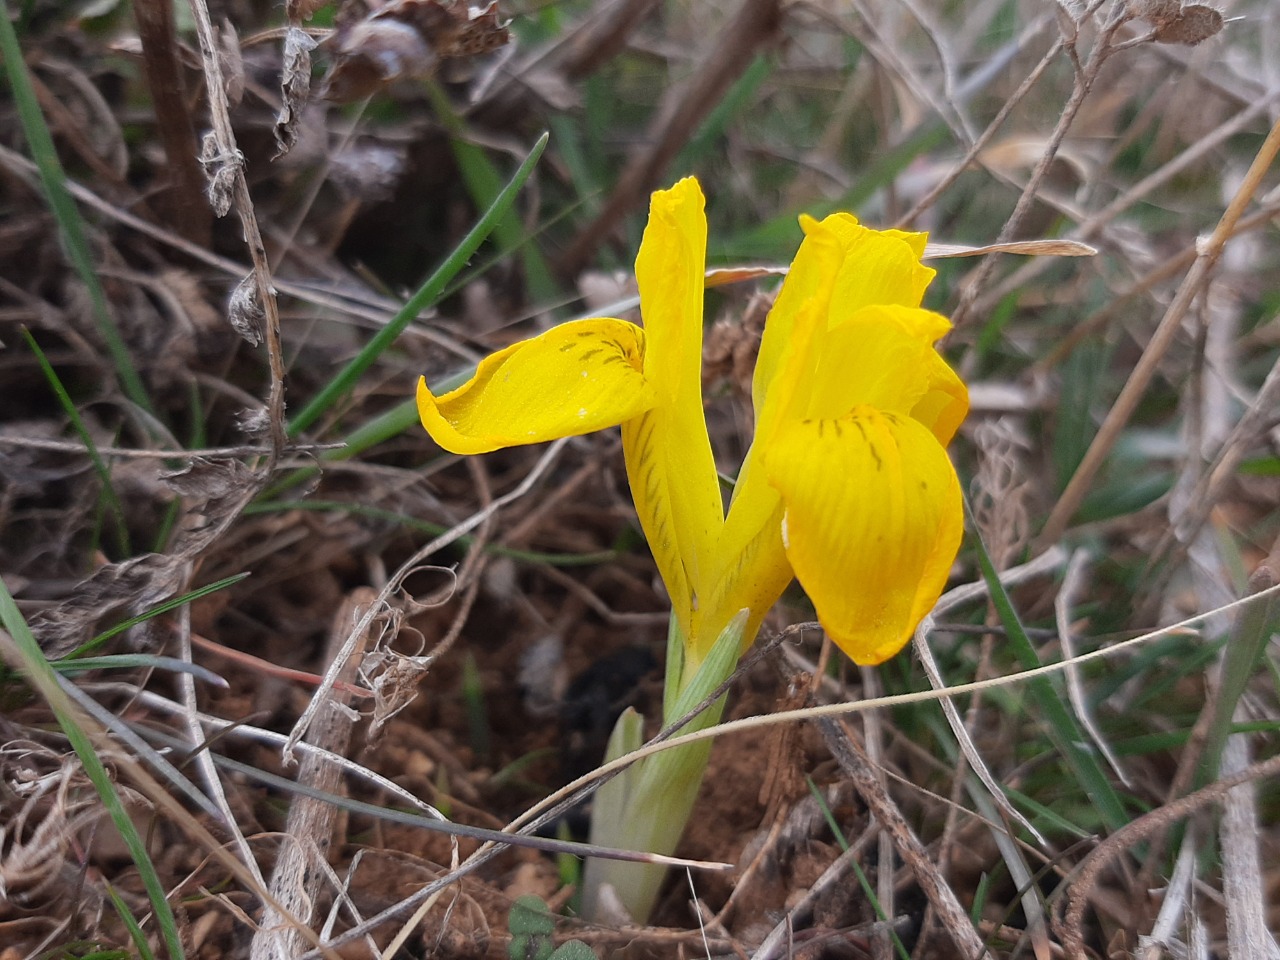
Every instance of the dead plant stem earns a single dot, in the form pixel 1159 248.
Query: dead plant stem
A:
pixel 1161 340
pixel 1070 927
pixel 225 159
pixel 1085 79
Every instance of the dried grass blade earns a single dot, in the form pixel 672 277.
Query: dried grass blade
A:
pixel 24 653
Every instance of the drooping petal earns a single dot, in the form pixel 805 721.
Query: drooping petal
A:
pixel 872 523
pixel 575 378
pixel 668 453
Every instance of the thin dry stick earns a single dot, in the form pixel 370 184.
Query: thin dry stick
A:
pixel 836 872
pixel 928 200
pixel 227 162
pixel 1075 688
pixel 1085 80
pixel 1243 887
pixel 196 733
pixel 1093 225
pixel 968 749
pixel 1161 340
pixel 1260 417
pixel 159 38
pixel 308 833
pixel 1118 302
pixel 941 897
pixel 1070 928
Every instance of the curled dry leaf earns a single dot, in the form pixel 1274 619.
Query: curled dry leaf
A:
pixel 214 493
pixel 244 310
pixel 1029 248
pixel 403 39
pixel 295 87
pixel 1176 22
pixel 720 276
pixel 220 171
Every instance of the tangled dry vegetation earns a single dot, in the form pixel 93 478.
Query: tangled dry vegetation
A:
pixel 279 633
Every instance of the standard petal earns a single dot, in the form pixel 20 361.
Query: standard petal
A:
pixel 841 267
pixel 945 403
pixel 575 378
pixel 809 282
pixel 881 356
pixel 668 453
pixel 880 266
pixel 872 523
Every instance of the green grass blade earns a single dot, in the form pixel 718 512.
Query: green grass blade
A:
pixel 42 677
pixel 1059 723
pixel 131 661
pixel 114 506
pixel 131 924
pixel 484 183
pixel 170 604
pixel 1252 632
pixel 54 180
pixel 427 294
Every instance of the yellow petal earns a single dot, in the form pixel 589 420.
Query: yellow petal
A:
pixel 669 460
pixel 880 266
pixel 754 569
pixel 945 403
pixel 881 356
pixel 573 379
pixel 808 283
pixel 843 267
pixel 872 523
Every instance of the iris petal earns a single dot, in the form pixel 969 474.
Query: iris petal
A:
pixel 575 378
pixel 668 453
pixel 873 520
pixel 883 356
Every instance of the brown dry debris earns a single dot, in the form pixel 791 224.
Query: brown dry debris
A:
pixel 255 191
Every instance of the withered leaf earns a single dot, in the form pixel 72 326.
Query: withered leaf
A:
pixel 1196 23
pixel 403 39
pixel 220 171
pixel 1176 22
pixel 215 492
pixel 295 87
pixel 245 311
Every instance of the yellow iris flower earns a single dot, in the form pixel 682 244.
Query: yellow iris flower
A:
pixel 847 485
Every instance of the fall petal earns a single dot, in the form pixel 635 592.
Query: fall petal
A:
pixel 573 379
pixel 872 522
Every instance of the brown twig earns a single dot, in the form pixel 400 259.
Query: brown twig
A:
pixel 1086 77
pixel 941 897
pixel 190 211
pixel 299 874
